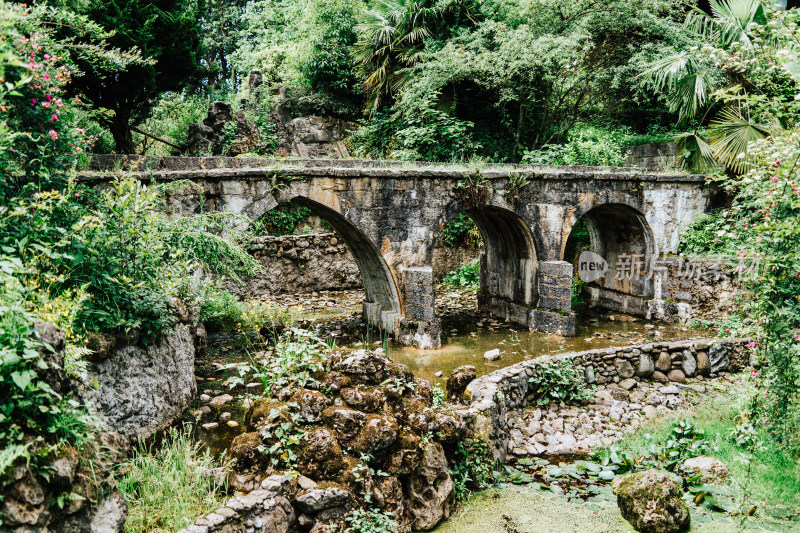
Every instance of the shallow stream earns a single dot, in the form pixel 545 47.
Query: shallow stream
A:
pixel 467 336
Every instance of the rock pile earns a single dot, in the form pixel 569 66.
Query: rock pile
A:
pixel 614 412
pixel 209 137
pixel 364 431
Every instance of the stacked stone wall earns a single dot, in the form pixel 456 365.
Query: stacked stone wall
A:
pixel 493 396
pixel 652 156
pixel 321 261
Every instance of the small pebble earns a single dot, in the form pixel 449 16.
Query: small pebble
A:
pixel 210 425
pixel 232 423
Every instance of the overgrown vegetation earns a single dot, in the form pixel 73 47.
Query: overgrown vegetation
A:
pixel 760 475
pixel 560 382
pixel 473 469
pixel 467 276
pixel 168 485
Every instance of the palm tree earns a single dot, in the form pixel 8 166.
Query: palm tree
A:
pixel 687 82
pixel 391 38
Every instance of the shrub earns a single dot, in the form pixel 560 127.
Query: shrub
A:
pixel 468 275
pixel 561 382
pixel 282 220
pixel 298 355
pixel 461 231
pixel 473 467
pixel 168 486
pixel 586 145
pixel 370 521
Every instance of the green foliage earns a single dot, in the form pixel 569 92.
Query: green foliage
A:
pixel 220 310
pixel 299 354
pixel 468 276
pixel 170 118
pixel 29 405
pixel 461 231
pixel 473 467
pixel 734 72
pixel 586 145
pixel 711 234
pixel 438 397
pixel 370 521
pixel 282 220
pixel 166 486
pixel 132 271
pixel 283 434
pixel 167 33
pixel 560 382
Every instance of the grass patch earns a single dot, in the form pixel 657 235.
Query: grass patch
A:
pixel 165 486
pixel 773 477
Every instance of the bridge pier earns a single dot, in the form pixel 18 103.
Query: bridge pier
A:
pixel 552 312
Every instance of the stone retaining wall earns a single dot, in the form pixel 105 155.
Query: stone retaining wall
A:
pixel 322 261
pixel 683 289
pixel 652 156
pixel 265 510
pixel 492 397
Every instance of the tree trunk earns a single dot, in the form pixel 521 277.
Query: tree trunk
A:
pixel 121 131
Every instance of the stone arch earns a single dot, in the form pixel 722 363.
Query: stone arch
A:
pixel 382 306
pixel 509 264
pixel 623 237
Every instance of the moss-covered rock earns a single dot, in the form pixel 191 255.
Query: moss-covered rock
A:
pixel 652 502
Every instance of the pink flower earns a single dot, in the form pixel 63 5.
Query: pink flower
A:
pixel 47 77
pixel 33 102
pixel 47 57
pixel 54 118
pixel 53 135
pixel 46 105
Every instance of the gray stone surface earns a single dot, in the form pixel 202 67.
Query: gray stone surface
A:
pixel 142 389
pixel 391 218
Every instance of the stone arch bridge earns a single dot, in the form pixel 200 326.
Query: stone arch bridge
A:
pixel 391 215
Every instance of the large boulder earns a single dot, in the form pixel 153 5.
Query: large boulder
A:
pixel 321 456
pixel 719 357
pixel 711 470
pixel 458 381
pixel 362 366
pixel 430 495
pixel 310 404
pixel 652 502
pixel 139 389
pixel 378 433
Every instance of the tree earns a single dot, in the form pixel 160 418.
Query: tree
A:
pixel 394 33
pixel 167 32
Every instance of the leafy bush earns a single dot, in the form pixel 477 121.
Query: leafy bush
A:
pixel 29 406
pixel 473 467
pixel 461 231
pixel 370 521
pixel 167 486
pixel 586 145
pixel 468 275
pixel 283 434
pixel 711 234
pixel 561 382
pixel 282 220
pixel 298 355
pixel 221 310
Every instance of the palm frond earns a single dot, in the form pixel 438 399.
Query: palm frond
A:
pixel 731 133
pixel 694 152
